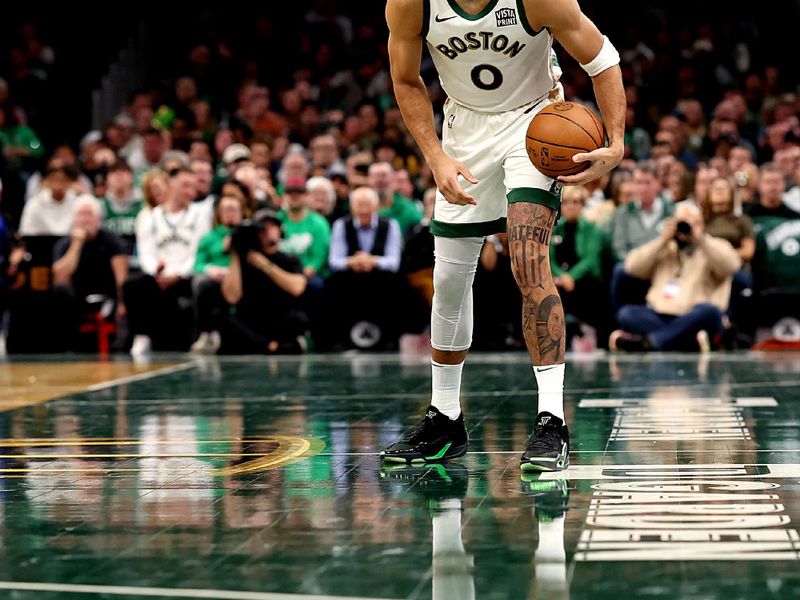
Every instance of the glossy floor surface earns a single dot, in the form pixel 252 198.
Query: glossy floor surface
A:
pixel 258 479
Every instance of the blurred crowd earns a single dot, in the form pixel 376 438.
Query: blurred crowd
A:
pixel 245 206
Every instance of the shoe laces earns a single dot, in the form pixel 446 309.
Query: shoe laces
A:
pixel 418 430
pixel 544 438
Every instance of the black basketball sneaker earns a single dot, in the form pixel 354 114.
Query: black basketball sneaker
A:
pixel 548 446
pixel 436 438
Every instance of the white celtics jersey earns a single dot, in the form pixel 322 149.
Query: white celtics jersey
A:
pixel 492 61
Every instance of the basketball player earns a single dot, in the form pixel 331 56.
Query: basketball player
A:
pixel 495 63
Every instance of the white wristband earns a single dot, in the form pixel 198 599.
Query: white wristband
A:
pixel 607 57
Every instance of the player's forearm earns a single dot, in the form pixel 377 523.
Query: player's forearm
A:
pixel 610 94
pixel 415 105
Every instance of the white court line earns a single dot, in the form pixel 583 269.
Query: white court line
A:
pixel 140 377
pixel 672 471
pixel 626 402
pixel 121 590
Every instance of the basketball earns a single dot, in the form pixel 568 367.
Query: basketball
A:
pixel 560 131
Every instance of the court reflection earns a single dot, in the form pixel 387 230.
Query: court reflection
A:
pixel 443 489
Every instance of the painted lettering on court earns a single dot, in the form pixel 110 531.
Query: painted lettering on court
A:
pixel 684 512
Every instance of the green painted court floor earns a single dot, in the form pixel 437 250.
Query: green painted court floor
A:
pixel 258 479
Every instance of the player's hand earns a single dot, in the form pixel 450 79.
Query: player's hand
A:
pixel 446 170
pixel 602 161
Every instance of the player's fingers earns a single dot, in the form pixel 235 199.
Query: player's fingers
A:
pixel 582 157
pixel 579 178
pixel 466 173
pixel 456 194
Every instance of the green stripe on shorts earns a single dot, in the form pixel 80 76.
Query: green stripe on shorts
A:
pixel 457 230
pixel 551 200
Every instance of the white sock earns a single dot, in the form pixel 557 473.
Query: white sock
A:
pixel 551 389
pixel 446 395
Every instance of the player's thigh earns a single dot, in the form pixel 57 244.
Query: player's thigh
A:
pixel 468 139
pixel 523 182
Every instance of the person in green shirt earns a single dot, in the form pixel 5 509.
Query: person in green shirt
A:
pixel 307 234
pixel 210 266
pixel 394 205
pixel 18 142
pixel 121 204
pixel 576 261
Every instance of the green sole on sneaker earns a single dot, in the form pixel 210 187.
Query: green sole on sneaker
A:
pixel 448 452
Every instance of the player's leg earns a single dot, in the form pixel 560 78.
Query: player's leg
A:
pixel 459 232
pixel 441 434
pixel 529 229
pixel 534 201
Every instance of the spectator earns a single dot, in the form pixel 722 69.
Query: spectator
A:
pixel 776 264
pixel 640 221
pixel 307 235
pixel 90 261
pixel 321 196
pixel 363 288
pixel 174 160
pixel 722 221
pixel 50 212
pixel 167 242
pixel 776 278
pixel 497 303
pixel 200 150
pixel 62 156
pixel 576 261
pixel 260 154
pixel 261 276
pixel 705 175
pixel 342 187
pixel 150 155
pixel 20 144
pixel 325 155
pixel 210 267
pixel 294 166
pixel 739 156
pixel 747 180
pixel 623 191
pixel 791 198
pixel 240 191
pixel 121 204
pixel 690 274
pixel 259 184
pixel 393 205
pixel 403 184
pixel 204 178
pixel 771 186
pixel 418 252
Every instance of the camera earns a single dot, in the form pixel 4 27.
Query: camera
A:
pixel 245 238
pixel 683 228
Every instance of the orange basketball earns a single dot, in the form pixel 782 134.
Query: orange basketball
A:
pixel 560 131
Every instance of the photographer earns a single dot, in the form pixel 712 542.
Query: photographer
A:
pixel 264 286
pixel 690 274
